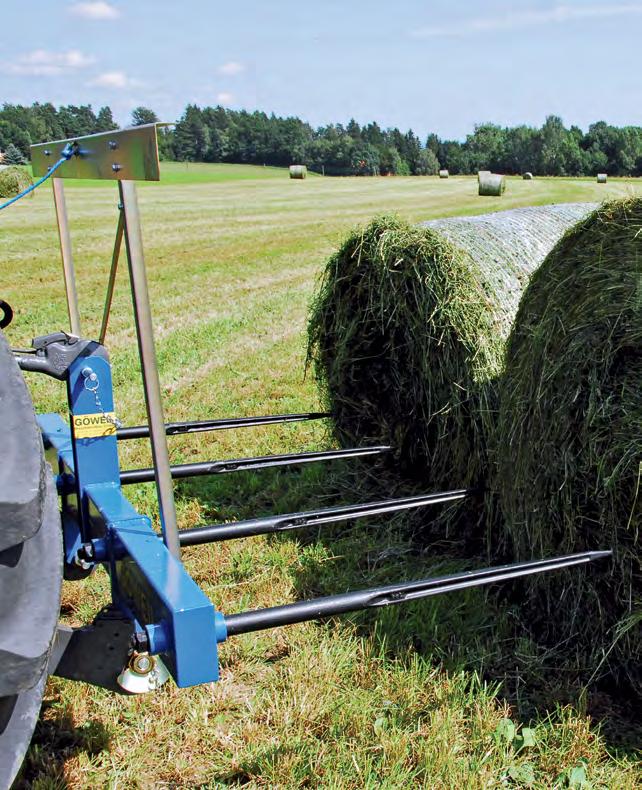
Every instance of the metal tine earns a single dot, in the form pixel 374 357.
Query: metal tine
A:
pixel 331 515
pixel 317 608
pixel 175 428
pixel 240 464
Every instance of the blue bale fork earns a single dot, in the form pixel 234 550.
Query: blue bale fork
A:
pixel 63 510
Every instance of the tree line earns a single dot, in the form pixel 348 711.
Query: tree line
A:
pixel 217 134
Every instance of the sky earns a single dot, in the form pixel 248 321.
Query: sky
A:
pixel 440 66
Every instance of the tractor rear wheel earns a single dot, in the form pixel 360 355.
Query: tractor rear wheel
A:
pixel 30 567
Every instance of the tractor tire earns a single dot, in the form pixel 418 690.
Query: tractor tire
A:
pixel 31 567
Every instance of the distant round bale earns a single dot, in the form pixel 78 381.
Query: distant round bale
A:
pixel 527 176
pixel 443 174
pixel 569 450
pixel 407 333
pixel 602 178
pixel 298 171
pixel 13 180
pixel 482 173
pixel 491 184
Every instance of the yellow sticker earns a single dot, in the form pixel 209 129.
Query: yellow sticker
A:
pixel 91 426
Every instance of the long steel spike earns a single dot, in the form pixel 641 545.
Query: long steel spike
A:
pixel 130 476
pixel 331 515
pixel 200 426
pixel 314 609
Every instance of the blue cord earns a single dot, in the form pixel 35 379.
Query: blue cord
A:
pixel 67 153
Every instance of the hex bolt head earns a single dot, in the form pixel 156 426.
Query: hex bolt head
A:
pixel 143 664
pixel 116 167
pixel 113 145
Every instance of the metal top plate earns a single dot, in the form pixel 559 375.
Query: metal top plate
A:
pixel 121 155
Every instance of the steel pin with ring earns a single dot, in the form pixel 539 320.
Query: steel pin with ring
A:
pixel 90 378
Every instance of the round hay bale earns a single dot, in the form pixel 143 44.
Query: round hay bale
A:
pixel 13 180
pixel 298 171
pixel 527 176
pixel 491 184
pixel 443 174
pixel 602 178
pixel 569 459
pixel 407 332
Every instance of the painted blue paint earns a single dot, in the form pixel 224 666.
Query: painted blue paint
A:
pixel 148 584
pixel 154 586
pixel 95 459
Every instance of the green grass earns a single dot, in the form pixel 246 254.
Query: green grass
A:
pixel 200 173
pixel 434 694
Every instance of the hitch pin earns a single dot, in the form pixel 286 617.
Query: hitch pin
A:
pixel 89 376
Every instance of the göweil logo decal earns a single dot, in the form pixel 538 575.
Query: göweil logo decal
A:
pixel 90 426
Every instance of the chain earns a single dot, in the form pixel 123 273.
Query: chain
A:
pixel 92 384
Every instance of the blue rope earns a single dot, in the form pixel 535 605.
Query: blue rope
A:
pixel 67 153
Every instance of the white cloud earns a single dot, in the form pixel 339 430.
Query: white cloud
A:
pixel 558 14
pixel 95 10
pixel 116 80
pixel 43 63
pixel 231 69
pixel 224 98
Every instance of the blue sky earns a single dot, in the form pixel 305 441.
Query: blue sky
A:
pixel 437 66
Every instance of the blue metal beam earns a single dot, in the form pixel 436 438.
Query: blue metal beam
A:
pixel 148 584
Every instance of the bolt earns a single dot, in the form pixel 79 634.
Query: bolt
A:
pixel 88 373
pixel 116 167
pixel 47 152
pixel 86 552
pixel 142 664
pixel 113 145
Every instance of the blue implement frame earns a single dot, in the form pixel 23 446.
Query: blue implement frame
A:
pixel 148 584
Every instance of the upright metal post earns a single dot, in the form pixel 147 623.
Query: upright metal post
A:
pixel 149 368
pixel 112 275
pixel 67 258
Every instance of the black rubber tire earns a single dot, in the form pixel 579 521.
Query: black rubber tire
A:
pixel 30 567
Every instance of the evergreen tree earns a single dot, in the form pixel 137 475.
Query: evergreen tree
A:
pixel 143 115
pixel 427 163
pixel 77 121
pixel 216 134
pixel 191 136
pixel 10 134
pixel 13 156
pixel 105 120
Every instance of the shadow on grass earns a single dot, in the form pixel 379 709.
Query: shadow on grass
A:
pixel 55 741
pixel 477 630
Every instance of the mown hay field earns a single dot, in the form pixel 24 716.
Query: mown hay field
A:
pixel 439 693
